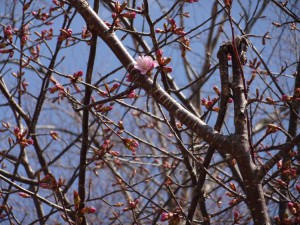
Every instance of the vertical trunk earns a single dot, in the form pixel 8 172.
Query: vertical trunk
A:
pixel 252 186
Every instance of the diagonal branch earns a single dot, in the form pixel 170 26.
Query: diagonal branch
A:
pixel 96 25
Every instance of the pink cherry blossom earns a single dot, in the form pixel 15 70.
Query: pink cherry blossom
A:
pixel 145 64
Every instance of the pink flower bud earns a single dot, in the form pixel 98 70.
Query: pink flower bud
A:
pixel 24 195
pixel 132 95
pixel 79 73
pixel 88 210
pixel 11 54
pixel 158 30
pixel 236 215
pixel 167 69
pixel 92 210
pixel 16 130
pixel 114 87
pixel 285 98
pixel 129 78
pixel 114 15
pixel 30 142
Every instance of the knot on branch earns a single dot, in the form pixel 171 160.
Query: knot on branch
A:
pixel 242 44
pixel 83 4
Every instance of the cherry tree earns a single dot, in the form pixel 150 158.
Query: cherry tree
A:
pixel 149 112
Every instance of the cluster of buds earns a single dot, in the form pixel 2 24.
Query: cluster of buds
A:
pixel 24 34
pixel 291 172
pixel 109 89
pixel 119 8
pixel 163 61
pixel 128 15
pixel 57 87
pixel 234 197
pixel 132 205
pixel 166 164
pixel 20 136
pixel 46 34
pixel 170 216
pixel 49 182
pixel 295 97
pixel 77 76
pixel 118 12
pixel 35 52
pixel 43 16
pixel 287 170
pixel 287 220
pixel 171 27
pixel 8 33
pixel 10 52
pixel 106 147
pixel 254 64
pixel 210 103
pixel 65 34
pixel 130 144
pixel 85 33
